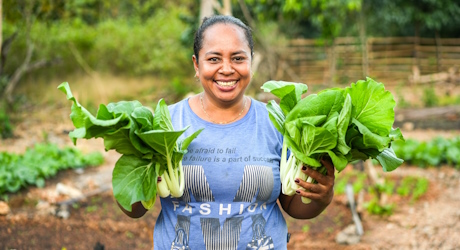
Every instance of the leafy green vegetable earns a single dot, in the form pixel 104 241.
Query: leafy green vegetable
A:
pixel 40 162
pixel 347 124
pixel 435 152
pixel 149 145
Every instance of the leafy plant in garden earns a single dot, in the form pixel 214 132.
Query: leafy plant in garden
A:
pixel 435 152
pixel 149 145
pixel 346 124
pixel 38 163
pixel 412 186
pixel 6 127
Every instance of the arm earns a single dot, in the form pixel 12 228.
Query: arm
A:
pixel 137 210
pixel 320 194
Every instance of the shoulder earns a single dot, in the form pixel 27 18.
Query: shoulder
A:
pixel 258 105
pixel 178 105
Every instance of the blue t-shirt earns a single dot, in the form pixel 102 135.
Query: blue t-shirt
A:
pixel 232 184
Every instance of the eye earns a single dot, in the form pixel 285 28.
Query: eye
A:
pixel 239 59
pixel 213 59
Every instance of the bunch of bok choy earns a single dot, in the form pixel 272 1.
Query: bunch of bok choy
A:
pixel 148 144
pixel 347 124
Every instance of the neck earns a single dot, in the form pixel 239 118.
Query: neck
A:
pixel 223 114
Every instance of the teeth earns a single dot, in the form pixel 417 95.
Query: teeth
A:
pixel 226 84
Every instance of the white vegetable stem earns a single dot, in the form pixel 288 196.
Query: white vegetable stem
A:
pixel 291 169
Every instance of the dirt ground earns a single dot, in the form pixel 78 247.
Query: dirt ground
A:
pixel 35 220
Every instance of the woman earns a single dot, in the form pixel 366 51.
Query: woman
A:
pixel 232 168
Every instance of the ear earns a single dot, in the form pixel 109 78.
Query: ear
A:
pixel 195 65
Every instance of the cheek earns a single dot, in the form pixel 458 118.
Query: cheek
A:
pixel 206 71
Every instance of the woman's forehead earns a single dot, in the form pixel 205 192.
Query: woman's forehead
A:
pixel 225 34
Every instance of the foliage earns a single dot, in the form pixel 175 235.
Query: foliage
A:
pixel 125 44
pixel 434 152
pixel 305 18
pixel 373 207
pixel 412 187
pixel 402 17
pixel 430 99
pixel 149 145
pixel 356 178
pixel 344 124
pixel 6 127
pixel 40 162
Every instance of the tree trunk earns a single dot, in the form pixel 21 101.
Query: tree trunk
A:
pixel 206 9
pixel 226 8
pixel 1 26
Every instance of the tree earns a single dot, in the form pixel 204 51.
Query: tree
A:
pixel 412 17
pixel 327 16
pixel 30 13
pixel 209 7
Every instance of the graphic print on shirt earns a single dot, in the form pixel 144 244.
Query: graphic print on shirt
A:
pixel 259 239
pixel 182 233
pixel 225 238
pixel 196 185
pixel 255 179
pixel 255 188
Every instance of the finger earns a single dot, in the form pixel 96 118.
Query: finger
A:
pixel 315 174
pixel 310 187
pixel 308 194
pixel 327 163
pixel 311 172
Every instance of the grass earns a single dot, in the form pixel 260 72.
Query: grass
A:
pixel 90 91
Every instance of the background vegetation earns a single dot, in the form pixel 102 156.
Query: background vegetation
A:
pixel 46 42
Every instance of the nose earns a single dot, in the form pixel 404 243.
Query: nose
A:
pixel 226 68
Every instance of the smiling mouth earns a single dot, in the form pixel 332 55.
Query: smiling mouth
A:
pixel 226 84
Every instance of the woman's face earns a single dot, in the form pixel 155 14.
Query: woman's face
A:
pixel 224 66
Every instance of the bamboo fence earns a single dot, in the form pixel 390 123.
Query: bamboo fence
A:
pixel 391 60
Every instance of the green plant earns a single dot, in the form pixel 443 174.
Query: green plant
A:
pixel 6 128
pixel 413 186
pixel 435 152
pixel 90 209
pixel 401 100
pixel 374 207
pixel 430 99
pixel 149 145
pixel 346 124
pixel 356 178
pixel 38 163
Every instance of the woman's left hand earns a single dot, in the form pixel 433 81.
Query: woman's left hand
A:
pixel 323 191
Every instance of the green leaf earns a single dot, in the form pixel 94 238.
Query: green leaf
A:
pixel 276 115
pixel 317 139
pixel 186 141
pixel 370 139
pixel 162 118
pixel 123 107
pixel 289 93
pixel 324 103
pixel 127 180
pixel 342 126
pixel 143 117
pixel 149 186
pixel 373 106
pixel 121 142
pixel 389 160
pixel 161 141
pixel 87 126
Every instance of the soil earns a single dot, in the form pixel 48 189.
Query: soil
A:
pixel 36 221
